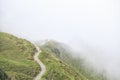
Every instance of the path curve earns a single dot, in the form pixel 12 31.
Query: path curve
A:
pixel 43 68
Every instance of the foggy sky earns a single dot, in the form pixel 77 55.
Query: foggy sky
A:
pixel 90 26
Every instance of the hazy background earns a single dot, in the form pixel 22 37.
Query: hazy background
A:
pixel 92 27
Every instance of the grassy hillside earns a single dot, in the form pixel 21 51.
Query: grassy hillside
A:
pixel 16 61
pixel 16 57
pixel 53 50
pixel 57 69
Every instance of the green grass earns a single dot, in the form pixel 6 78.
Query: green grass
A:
pixel 16 57
pixel 57 69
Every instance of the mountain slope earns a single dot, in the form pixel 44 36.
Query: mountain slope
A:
pixel 17 63
pixel 63 54
pixel 57 69
pixel 16 57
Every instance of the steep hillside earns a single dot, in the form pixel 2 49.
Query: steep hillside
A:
pixel 16 58
pixel 57 69
pixel 58 54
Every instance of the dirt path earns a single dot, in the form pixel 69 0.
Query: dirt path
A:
pixel 43 68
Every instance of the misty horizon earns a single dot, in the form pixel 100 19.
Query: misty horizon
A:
pixel 92 28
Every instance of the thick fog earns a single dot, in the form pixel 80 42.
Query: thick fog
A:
pixel 92 27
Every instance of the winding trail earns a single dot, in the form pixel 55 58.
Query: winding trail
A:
pixel 43 68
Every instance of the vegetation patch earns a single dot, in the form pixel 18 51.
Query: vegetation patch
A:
pixel 16 58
